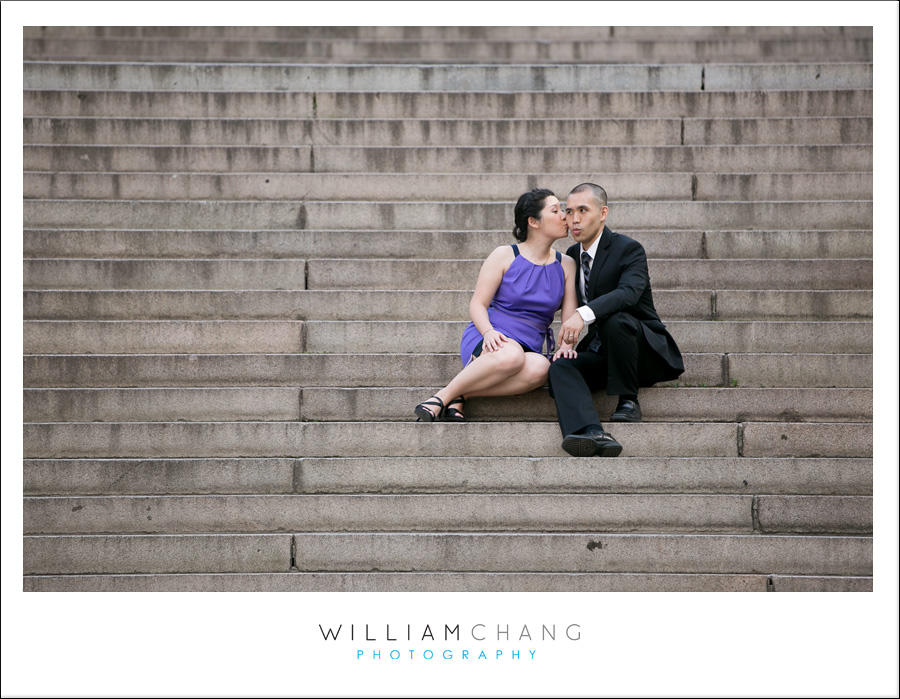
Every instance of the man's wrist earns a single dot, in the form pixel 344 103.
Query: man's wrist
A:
pixel 587 315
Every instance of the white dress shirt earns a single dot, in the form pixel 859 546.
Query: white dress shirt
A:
pixel 585 311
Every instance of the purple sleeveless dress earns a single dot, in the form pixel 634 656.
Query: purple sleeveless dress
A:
pixel 523 307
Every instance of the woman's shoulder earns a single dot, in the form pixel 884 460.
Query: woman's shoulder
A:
pixel 503 253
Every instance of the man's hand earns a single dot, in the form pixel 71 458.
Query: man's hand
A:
pixel 570 330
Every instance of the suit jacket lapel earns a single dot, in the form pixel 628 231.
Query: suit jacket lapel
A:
pixel 599 259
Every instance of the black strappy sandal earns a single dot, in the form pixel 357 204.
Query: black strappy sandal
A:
pixel 452 414
pixel 425 415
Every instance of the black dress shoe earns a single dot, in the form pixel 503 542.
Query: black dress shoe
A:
pixel 626 411
pixel 593 443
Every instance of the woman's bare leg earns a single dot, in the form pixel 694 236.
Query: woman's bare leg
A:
pixel 483 372
pixel 532 375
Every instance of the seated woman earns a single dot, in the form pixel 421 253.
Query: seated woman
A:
pixel 519 289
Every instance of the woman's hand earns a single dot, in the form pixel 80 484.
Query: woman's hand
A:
pixel 493 340
pixel 565 350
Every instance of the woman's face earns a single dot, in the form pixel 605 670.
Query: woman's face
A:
pixel 553 218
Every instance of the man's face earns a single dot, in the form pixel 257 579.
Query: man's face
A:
pixel 584 217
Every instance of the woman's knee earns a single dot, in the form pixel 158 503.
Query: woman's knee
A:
pixel 509 359
pixel 535 370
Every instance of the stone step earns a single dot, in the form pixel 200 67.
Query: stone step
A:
pixel 359 274
pixel 433 187
pixel 443 336
pixel 166 274
pixel 99 243
pixel 446 582
pixel 390 337
pixel 453 274
pixel 364 370
pixel 447 132
pixel 386 370
pixel 442 187
pixel 583 553
pixel 162 404
pixel 429 105
pixel 343 404
pixel 418 305
pixel 147 337
pixel 485 33
pixel 732 404
pixel 177 514
pixel 325 160
pixel 405 215
pixel 375 439
pixel 187 514
pixel 506 552
pixel 458 51
pixel 213 553
pixel 417 78
pixel 449 474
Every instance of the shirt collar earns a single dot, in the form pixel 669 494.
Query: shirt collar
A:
pixel 592 251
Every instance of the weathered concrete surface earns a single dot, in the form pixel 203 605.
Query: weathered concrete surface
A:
pixel 374 513
pixel 280 215
pixel 290 440
pixel 692 336
pixel 803 514
pixel 600 552
pixel 157 476
pixel 801 274
pixel 426 105
pixel 446 244
pixel 170 158
pixel 447 474
pixel 735 304
pixel 191 553
pixel 486 33
pixel 589 130
pixel 569 474
pixel 812 583
pixel 389 160
pixel 794 130
pixel 389 78
pixel 165 274
pixel 161 404
pixel 809 76
pixel 406 582
pixel 785 244
pixel 432 187
pixel 445 50
pixel 810 370
pixel 657 404
pixel 232 370
pixel 171 337
pixel 316 305
pixel 801 440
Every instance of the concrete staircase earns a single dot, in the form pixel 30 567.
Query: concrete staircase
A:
pixel 250 251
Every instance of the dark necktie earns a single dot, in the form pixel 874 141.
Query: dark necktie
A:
pixel 585 272
pixel 595 343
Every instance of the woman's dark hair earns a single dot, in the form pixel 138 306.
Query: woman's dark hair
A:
pixel 529 204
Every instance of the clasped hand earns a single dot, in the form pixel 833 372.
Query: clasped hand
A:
pixel 570 330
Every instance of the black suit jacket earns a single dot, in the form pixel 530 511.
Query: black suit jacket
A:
pixel 620 281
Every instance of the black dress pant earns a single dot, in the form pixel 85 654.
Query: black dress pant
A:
pixel 624 361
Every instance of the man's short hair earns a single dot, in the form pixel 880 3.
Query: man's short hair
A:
pixel 596 190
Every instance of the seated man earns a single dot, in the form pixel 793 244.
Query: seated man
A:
pixel 626 346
